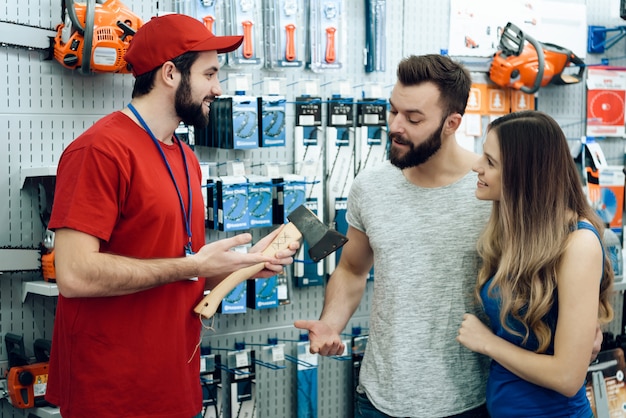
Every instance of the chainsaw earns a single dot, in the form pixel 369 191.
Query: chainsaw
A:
pixel 27 382
pixel 525 64
pixel 92 38
pixel 18 259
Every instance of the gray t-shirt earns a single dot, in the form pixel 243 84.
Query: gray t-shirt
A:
pixel 425 269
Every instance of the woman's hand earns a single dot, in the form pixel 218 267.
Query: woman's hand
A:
pixel 474 335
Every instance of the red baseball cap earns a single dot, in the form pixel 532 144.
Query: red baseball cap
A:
pixel 164 38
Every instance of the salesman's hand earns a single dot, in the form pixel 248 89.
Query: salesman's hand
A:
pixel 281 258
pixel 216 260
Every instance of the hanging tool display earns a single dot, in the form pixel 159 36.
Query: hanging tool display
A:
pixel 375 29
pixel 327 36
pixel 283 32
pixel 93 36
pixel 371 122
pixel 340 149
pixel 525 64
pixel 309 150
pixel 244 18
pixel 210 379
pixel 239 388
pixel 307 379
pixel 272 109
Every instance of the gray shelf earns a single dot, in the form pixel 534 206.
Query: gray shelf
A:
pixel 39 288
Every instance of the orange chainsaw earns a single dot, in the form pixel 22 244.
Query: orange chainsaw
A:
pixel 93 36
pixel 99 31
pixel 525 64
pixel 27 383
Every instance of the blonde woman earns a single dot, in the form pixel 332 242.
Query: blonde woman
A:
pixel 545 279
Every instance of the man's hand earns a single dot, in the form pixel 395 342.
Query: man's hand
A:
pixel 216 260
pixel 323 339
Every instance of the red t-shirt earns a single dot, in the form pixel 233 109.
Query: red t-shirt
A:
pixel 127 355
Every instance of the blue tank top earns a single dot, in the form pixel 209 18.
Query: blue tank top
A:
pixel 510 396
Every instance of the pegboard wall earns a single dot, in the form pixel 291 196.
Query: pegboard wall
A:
pixel 44 106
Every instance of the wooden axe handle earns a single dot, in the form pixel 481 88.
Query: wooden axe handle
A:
pixel 209 304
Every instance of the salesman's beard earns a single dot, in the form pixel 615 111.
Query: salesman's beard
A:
pixel 190 113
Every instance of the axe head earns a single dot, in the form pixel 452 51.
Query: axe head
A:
pixel 322 240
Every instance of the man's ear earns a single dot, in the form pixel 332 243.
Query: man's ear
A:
pixel 168 72
pixel 453 122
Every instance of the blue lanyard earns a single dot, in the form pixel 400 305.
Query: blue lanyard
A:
pixel 186 214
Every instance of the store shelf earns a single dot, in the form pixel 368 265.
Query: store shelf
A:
pixel 30 172
pixel 46 412
pixel 39 288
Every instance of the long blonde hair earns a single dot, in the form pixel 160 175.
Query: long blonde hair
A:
pixel 542 200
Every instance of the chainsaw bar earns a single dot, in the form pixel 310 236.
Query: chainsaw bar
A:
pixel 19 259
pixel 25 36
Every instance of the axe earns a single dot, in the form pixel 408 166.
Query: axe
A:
pixel 302 224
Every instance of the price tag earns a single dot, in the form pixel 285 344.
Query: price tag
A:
pixel 278 353
pixel 241 359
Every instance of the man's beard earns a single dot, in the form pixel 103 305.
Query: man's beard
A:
pixel 416 155
pixel 190 113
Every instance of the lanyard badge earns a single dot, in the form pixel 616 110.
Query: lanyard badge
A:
pixel 186 213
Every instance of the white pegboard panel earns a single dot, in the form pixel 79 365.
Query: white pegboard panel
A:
pixel 613 149
pixel 31 142
pixel 32 319
pixel 45 87
pixel 45 14
pixel 424 29
pixel 564 102
pixel 44 106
